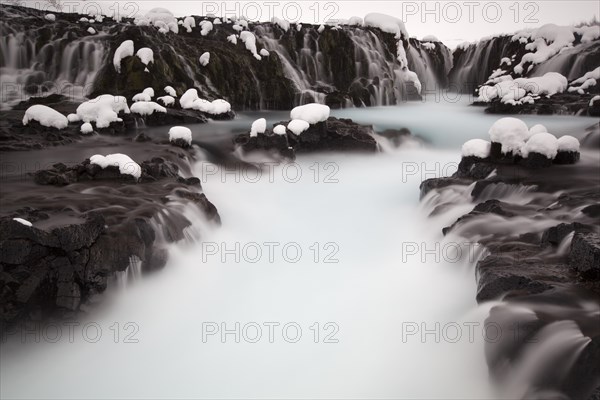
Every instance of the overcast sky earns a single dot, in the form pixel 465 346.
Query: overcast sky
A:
pixel 451 21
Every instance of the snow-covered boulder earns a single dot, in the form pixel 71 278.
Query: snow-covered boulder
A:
pixel 543 143
pixel 125 49
pixel 205 59
pixel 387 24
pixel 280 130
pixel 161 18
pixel 311 113
pixel 538 128
pixel 187 99
pixel 205 27
pixel 297 126
pixel 508 135
pixel 568 150
pixel 125 164
pixel 147 108
pixel 73 117
pixel 166 100
pixel 250 41
pixel 232 39
pixel 46 116
pixel 170 91
pixel 103 110
pixel 264 52
pixel 189 23
pixel 141 97
pixel 146 55
pixel 86 128
pixel 180 136
pixel 91 31
pixel 283 24
pixel 476 148
pixel 258 126
pixel 220 106
pixel 50 17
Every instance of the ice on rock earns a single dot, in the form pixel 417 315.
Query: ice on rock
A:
pixel 125 164
pixel 297 126
pixel 568 143
pixel 279 130
pixel 542 143
pixel 476 148
pixel 511 133
pixel 125 49
pixel 205 59
pixel 103 110
pixel 311 113
pixel 147 108
pixel 86 128
pixel 180 132
pixel 46 116
pixel 146 55
pixel 258 126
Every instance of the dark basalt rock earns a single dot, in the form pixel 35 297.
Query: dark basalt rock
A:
pixel 592 211
pixel 555 235
pixel 536 160
pixel 566 157
pixel 177 117
pixel 268 142
pixel 585 255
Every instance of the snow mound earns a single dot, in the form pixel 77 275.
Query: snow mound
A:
pixel 279 130
pixel 539 128
pixel 386 23
pixel 161 18
pixel 430 38
pixel 125 49
pixel 428 45
pixel 220 106
pixel 50 17
pixel 250 41
pixel 588 80
pixel 543 143
pixel 232 39
pixel 217 21
pixel 103 110
pixel 264 53
pixel 180 132
pixel 205 27
pixel 91 31
pixel 588 33
pixel 311 113
pixel 355 21
pixel 568 143
pixel 511 133
pixel 283 24
pixel 73 117
pixel 258 126
pixel 141 97
pixel 149 91
pixel 297 126
pixel 166 100
pixel 86 128
pixel 170 91
pixel 147 108
pixel 205 59
pixel 515 90
pixel 321 28
pixel 46 116
pixel 126 165
pixel 189 23
pixel 23 221
pixel 188 98
pixel 146 55
pixel 476 148
pixel 594 100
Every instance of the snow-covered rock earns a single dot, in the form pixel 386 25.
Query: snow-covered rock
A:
pixel 283 24
pixel 46 116
pixel 86 128
pixel 166 100
pixel 542 143
pixel 146 55
pixel 297 126
pixel 258 126
pixel 476 148
pixel 568 143
pixel 126 165
pixel 91 31
pixel 170 91
pixel 511 133
pixel 387 24
pixel 232 39
pixel 428 45
pixel 161 18
pixel 23 221
pixel 594 100
pixel 141 97
pixel 125 49
pixel 279 130
pixel 50 17
pixel 205 59
pixel 73 117
pixel 321 28
pixel 187 99
pixel 264 53
pixel 180 133
pixel 509 90
pixel 250 41
pixel 189 23
pixel 220 106
pixel 311 113
pixel 217 21
pixel 539 128
pixel 147 108
pixel 588 80
pixel 205 27
pixel 103 110
pixel 430 38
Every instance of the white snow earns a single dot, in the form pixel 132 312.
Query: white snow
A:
pixel 430 38
pixel 355 21
pixel 321 28
pixel 189 23
pixel 588 33
pixel 220 106
pixel 297 126
pixel 50 17
pixel 124 50
pixel 283 24
pixel 588 80
pixel 23 221
pixel 205 27
pixel 476 148
pixel 73 117
pixel 539 128
pixel 103 110
pixel 141 97
pixel 506 61
pixel 463 46
pixel 250 41
pixel 166 100
pixel 237 28
pixel 180 132
pixel 86 128
pixel 258 126
pixel 205 59
pixel 126 165
pixel 568 143
pixel 299 27
pixel 188 98
pixel 508 89
pixel 161 18
pixel 264 52
pixel 146 55
pixel 510 132
pixel 594 100
pixel 217 21
pixel 46 116
pixel 410 76
pixel 232 39
pixel 149 91
pixel 428 45
pixel 170 91
pixel 91 31
pixel 311 113
pixel 543 143
pixel 387 24
pixel 83 19
pixel 147 108
pixel 279 130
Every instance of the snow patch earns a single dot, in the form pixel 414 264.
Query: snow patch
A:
pixel 170 91
pixel 146 55
pixel 46 116
pixel 297 126
pixel 126 165
pixel 250 41
pixel 258 126
pixel 205 59
pixel 387 24
pixel 264 53
pixel 147 108
pixel 543 143
pixel 125 49
pixel 279 130
pixel 511 133
pixel 180 132
pixel 311 113
pixel 86 128
pixel 23 221
pixel 50 17
pixel 166 100
pixel 103 110
pixel 568 143
pixel 476 148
